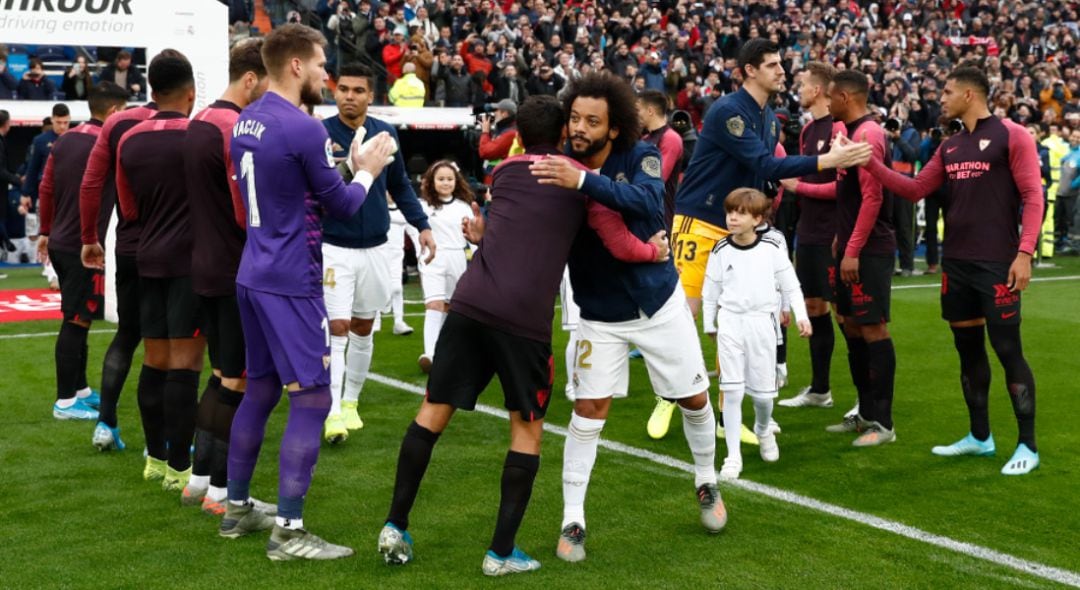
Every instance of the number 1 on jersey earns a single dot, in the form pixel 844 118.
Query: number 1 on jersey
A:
pixel 247 172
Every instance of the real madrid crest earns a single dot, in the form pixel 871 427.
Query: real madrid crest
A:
pixel 736 126
pixel 621 177
pixel 651 166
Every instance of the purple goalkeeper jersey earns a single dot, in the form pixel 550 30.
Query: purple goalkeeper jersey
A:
pixel 284 163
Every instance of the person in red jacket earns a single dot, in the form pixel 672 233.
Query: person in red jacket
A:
pixel 476 60
pixel 393 55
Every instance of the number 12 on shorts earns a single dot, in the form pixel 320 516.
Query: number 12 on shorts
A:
pixel 247 172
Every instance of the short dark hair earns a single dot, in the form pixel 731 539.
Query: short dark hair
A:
pixel 653 97
pixel 621 103
pixel 753 52
pixel 105 96
pixel 540 121
pixel 169 73
pixel 61 110
pixel 4 117
pixel 853 81
pixel 971 76
pixel 357 70
pixel 34 63
pixel 123 54
pixel 244 57
pixel 289 41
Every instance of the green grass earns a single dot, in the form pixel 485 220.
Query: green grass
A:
pixel 82 519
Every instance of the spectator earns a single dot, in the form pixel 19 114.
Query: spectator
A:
pixel 495 142
pixel 77 80
pixel 420 55
pixel 457 87
pixel 35 85
pixel 544 82
pixel 1054 98
pixel 125 76
pixel 508 85
pixel 393 54
pixel 9 87
pixel 408 90
pixel 653 73
pixel 476 60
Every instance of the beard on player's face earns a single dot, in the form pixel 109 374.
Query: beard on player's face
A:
pixel 592 148
pixel 311 92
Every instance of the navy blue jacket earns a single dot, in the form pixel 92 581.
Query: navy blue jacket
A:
pixel 606 289
pixel 735 149
pixel 40 149
pixel 369 227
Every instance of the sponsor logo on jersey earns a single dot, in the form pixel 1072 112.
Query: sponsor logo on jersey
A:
pixel 983 144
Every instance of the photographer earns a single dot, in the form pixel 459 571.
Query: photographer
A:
pixel 34 85
pixel 903 141
pixel 1055 97
pixel 497 135
pixel 544 81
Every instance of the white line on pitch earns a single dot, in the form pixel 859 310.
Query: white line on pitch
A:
pixel 1035 280
pixel 1061 576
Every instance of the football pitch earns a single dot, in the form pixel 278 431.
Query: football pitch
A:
pixel 826 515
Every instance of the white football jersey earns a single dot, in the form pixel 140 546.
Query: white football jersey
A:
pixel 745 279
pixel 446 224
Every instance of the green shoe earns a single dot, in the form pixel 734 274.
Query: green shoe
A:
pixel 154 470
pixel 288 544
pixel 243 520
pixel 175 481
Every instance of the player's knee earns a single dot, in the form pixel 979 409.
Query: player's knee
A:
pixel 695 402
pixel 874 332
pixel 156 353
pixel 434 417
pixel 339 327
pixel 816 306
pixel 234 383
pixel 594 409
pixel 1006 342
pixel 361 326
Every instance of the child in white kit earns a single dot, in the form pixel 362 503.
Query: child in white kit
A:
pixel 447 199
pixel 744 273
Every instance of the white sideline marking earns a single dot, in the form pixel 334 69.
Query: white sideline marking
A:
pixel 1034 568
pixel 1061 576
pixel 1034 280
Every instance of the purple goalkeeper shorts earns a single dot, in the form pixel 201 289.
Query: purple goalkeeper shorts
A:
pixel 286 336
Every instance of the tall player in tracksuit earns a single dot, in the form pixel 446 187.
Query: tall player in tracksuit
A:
pixel 990 171
pixel 284 163
pixel 736 150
